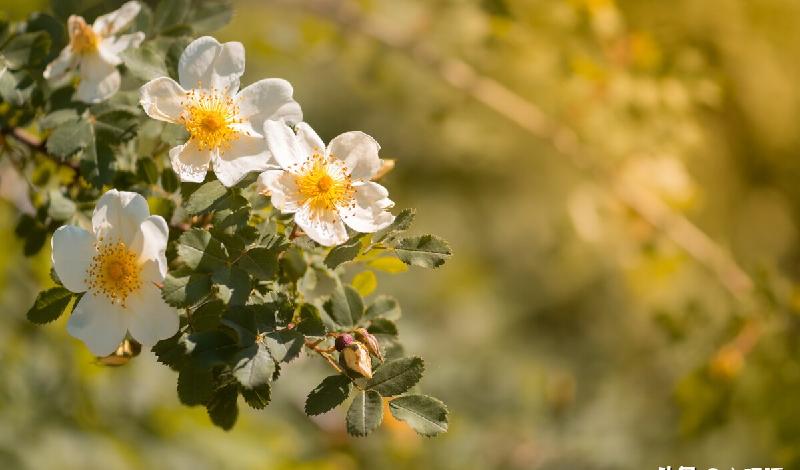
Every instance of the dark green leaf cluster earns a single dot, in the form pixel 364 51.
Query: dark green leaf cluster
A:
pixel 254 292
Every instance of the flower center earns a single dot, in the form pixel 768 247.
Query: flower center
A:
pixel 208 116
pixel 83 39
pixel 324 184
pixel 114 272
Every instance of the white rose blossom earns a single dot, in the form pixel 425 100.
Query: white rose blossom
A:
pixel 94 50
pixel 326 188
pixel 119 265
pixel 224 123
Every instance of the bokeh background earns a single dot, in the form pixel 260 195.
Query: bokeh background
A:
pixel 620 183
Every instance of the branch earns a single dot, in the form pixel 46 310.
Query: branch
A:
pixel 532 119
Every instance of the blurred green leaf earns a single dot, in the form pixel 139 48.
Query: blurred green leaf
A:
pixel 426 251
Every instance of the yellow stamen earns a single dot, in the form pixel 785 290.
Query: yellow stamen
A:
pixel 208 116
pixel 321 187
pixel 114 272
pixel 82 38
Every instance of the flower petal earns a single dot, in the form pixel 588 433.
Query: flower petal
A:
pixel 150 318
pixel 324 227
pixel 246 154
pixel 283 189
pixel 98 323
pixel 73 249
pixel 151 243
pixel 111 23
pixel 115 45
pixel 284 146
pixel 359 151
pixel 270 98
pixel 368 214
pixel 99 79
pixel 190 162
pixel 118 215
pixel 65 61
pixel 161 99
pixel 309 139
pixel 205 63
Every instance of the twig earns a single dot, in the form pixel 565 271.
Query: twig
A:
pixel 532 119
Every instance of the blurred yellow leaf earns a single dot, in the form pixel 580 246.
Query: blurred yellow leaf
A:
pixel 388 264
pixel 365 283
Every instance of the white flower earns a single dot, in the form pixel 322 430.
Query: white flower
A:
pixel 94 50
pixel 224 123
pixel 118 264
pixel 326 188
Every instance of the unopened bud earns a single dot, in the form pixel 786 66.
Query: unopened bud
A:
pixel 370 341
pixel 342 341
pixel 355 358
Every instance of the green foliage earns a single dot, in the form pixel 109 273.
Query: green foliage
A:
pixel 238 270
pixel 426 415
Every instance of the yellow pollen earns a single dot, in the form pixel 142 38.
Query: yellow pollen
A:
pixel 82 38
pixel 208 116
pixel 114 272
pixel 321 189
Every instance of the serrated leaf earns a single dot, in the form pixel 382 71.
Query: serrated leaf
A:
pixel 207 316
pixel 426 415
pixel 310 321
pixel 209 348
pixel 344 252
pixel 185 291
pixel 345 306
pixel 222 408
pixel 49 305
pixel 397 376
pixel 426 251
pixel 201 251
pixel 261 262
pixel 365 413
pixel 253 366
pixel 384 306
pixel 204 198
pixel 365 283
pixel 401 223
pixel 382 326
pixel 257 397
pixel 284 345
pixel 195 385
pixel 233 284
pixel 171 351
pixel 329 394
pixel 70 138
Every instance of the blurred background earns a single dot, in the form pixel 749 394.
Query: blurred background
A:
pixel 619 183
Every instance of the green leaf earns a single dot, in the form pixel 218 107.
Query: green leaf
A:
pixel 147 170
pixel 115 124
pixel 169 180
pixel 26 49
pixel 210 15
pixel 200 251
pixel 233 284
pixel 195 385
pixel 257 397
pixel 310 321
pixel 209 348
pixel 401 223
pixel 49 305
pixel 284 345
pixel 426 251
pixel 206 197
pixel 60 208
pixel 222 407
pixel 328 395
pixel 345 306
pixel 70 138
pixel 365 413
pixel 58 118
pixel 144 63
pixel 426 415
pixel 171 13
pixel 384 306
pixel 382 326
pixel 184 291
pixel 343 253
pixel 261 262
pixel 253 366
pixel 171 351
pixel 397 376
pixel 207 316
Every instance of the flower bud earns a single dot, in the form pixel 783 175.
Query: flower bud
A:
pixel 355 358
pixel 370 341
pixel 342 341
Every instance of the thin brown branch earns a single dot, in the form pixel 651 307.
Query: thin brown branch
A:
pixel 532 119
